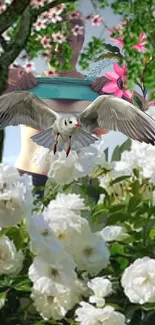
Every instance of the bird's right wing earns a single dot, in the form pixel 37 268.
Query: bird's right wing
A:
pixel 22 107
pixel 112 113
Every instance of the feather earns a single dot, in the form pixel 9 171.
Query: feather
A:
pixel 45 139
pixel 81 139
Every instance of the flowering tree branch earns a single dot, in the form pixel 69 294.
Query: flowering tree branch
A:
pixel 12 13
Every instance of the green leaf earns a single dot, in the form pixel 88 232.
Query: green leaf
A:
pixel 116 154
pixel 106 151
pixel 126 146
pixel 2 299
pixel 111 48
pixel 149 319
pixel 120 179
pixel 137 102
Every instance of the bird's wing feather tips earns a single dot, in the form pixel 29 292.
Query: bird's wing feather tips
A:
pixel 45 139
pixel 22 107
pixel 81 139
pixel 112 113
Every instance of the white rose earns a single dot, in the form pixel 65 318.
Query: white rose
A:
pixel 138 281
pixel 11 261
pixel 63 171
pixel 90 252
pixel 114 233
pixel 90 315
pixel 101 288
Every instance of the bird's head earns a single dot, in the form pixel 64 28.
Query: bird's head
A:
pixel 71 122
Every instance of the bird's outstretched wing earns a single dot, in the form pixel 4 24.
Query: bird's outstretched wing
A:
pixel 112 113
pixel 82 139
pixel 22 107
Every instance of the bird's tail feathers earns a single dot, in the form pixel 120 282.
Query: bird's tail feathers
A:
pixel 45 138
pixel 82 139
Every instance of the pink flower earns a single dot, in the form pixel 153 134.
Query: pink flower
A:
pixel 142 41
pixel 29 66
pixel 2 7
pixel 53 16
pixel 152 103
pixel 60 8
pixel 119 28
pixel 39 24
pixel 45 41
pixel 96 20
pixel 78 30
pixel 37 3
pixel 58 37
pixel 75 14
pixel 50 73
pixel 116 84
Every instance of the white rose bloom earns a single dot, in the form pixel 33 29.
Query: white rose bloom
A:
pixel 16 200
pixel 101 288
pixel 54 300
pixel 138 281
pixel 64 172
pixel 78 164
pixel 90 315
pixel 90 253
pixel 58 273
pixel 44 241
pixel 114 233
pixel 92 156
pixel 141 155
pixel 43 158
pixel 11 261
pixel 8 175
pixel 68 227
pixel 70 202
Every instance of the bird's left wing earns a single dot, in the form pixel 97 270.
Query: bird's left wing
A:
pixel 112 113
pixel 22 107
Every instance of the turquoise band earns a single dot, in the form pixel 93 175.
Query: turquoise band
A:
pixel 64 88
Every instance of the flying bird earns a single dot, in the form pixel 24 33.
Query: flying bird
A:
pixel 106 112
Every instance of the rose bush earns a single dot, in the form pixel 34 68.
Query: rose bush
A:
pixel 85 252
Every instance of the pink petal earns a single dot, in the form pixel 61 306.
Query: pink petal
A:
pixel 110 87
pixel 111 75
pixel 152 103
pixel 119 70
pixel 118 93
pixel 127 94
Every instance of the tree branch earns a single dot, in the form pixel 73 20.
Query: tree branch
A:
pixel 15 47
pixel 3 43
pixel 12 13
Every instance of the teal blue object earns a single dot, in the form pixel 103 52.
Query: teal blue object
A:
pixel 64 88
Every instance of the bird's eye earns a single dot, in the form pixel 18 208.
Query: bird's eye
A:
pixel 70 122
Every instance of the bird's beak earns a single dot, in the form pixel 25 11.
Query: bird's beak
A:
pixel 78 125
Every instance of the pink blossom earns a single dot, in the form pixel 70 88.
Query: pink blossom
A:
pixel 119 28
pixel 29 66
pixel 39 24
pixel 53 16
pixel 78 30
pixel 37 3
pixel 2 7
pixel 75 14
pixel 50 73
pixel 140 46
pixel 45 41
pixel 152 103
pixel 96 20
pixel 59 8
pixel 116 84
pixel 58 37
